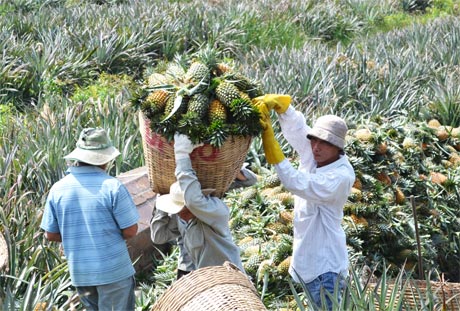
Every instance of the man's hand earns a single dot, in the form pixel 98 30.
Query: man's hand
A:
pixel 277 102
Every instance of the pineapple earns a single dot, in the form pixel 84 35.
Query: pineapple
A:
pixel 250 250
pixel 227 92
pixel 381 149
pixel 245 240
pixel 198 76
pixel 252 264
pixel 198 104
pixel 286 198
pixel 155 102
pixel 454 159
pixel 217 111
pixel 248 194
pixel 286 217
pixel 433 123
pixel 438 178
pixel 356 195
pixel 270 192
pixel 201 103
pixel 283 267
pixel 400 198
pixel 409 143
pixel 364 135
pixel 455 132
pixel 272 181
pixel 245 96
pixel 442 133
pixel 239 80
pixel 170 105
pixel 278 227
pixel 384 178
pixel 175 71
pixel 283 249
pixel 358 184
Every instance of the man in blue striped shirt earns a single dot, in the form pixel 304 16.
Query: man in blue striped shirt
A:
pixel 92 214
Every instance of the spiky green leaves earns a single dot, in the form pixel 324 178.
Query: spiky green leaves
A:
pixel 201 103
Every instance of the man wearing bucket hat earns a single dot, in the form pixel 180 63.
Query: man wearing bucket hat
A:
pixel 192 213
pixel 92 214
pixel 321 186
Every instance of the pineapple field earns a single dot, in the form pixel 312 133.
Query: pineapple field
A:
pixel 390 68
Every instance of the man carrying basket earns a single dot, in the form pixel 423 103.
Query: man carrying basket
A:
pixel 190 212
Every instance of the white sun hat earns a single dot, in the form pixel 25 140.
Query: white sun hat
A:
pixel 173 202
pixel 330 128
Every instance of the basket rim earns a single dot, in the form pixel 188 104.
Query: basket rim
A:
pixel 191 281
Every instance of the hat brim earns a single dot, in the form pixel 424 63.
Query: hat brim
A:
pixel 93 157
pixel 166 204
pixel 326 136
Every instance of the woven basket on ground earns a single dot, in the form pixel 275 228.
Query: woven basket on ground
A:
pixel 418 294
pixel 216 168
pixel 217 288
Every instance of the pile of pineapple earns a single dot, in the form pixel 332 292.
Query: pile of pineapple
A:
pixel 202 96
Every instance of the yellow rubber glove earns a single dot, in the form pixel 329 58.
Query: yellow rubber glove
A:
pixel 272 149
pixel 277 102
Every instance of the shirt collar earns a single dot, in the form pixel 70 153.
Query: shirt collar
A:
pixel 343 159
pixel 87 169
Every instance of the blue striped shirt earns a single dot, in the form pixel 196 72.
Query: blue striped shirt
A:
pixel 89 208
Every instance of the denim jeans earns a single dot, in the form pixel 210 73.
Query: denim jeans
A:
pixel 118 296
pixel 324 285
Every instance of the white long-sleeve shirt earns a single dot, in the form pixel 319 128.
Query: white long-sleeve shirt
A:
pixel 320 194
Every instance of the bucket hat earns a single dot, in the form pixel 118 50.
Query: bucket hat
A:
pixel 173 202
pixel 93 147
pixel 330 128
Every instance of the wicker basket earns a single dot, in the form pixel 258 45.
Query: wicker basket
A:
pixel 418 293
pixel 216 168
pixel 216 288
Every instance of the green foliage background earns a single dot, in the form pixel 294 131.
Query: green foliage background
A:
pixel 385 65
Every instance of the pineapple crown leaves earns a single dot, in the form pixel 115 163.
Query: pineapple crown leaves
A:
pixel 138 97
pixel 192 126
pixel 243 110
pixel 208 56
pixel 217 133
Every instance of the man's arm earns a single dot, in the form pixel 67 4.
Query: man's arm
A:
pixel 53 236
pixel 129 232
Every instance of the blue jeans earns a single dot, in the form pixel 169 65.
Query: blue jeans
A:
pixel 118 296
pixel 324 286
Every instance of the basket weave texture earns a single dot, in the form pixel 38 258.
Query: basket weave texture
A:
pixel 417 294
pixel 216 288
pixel 216 168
